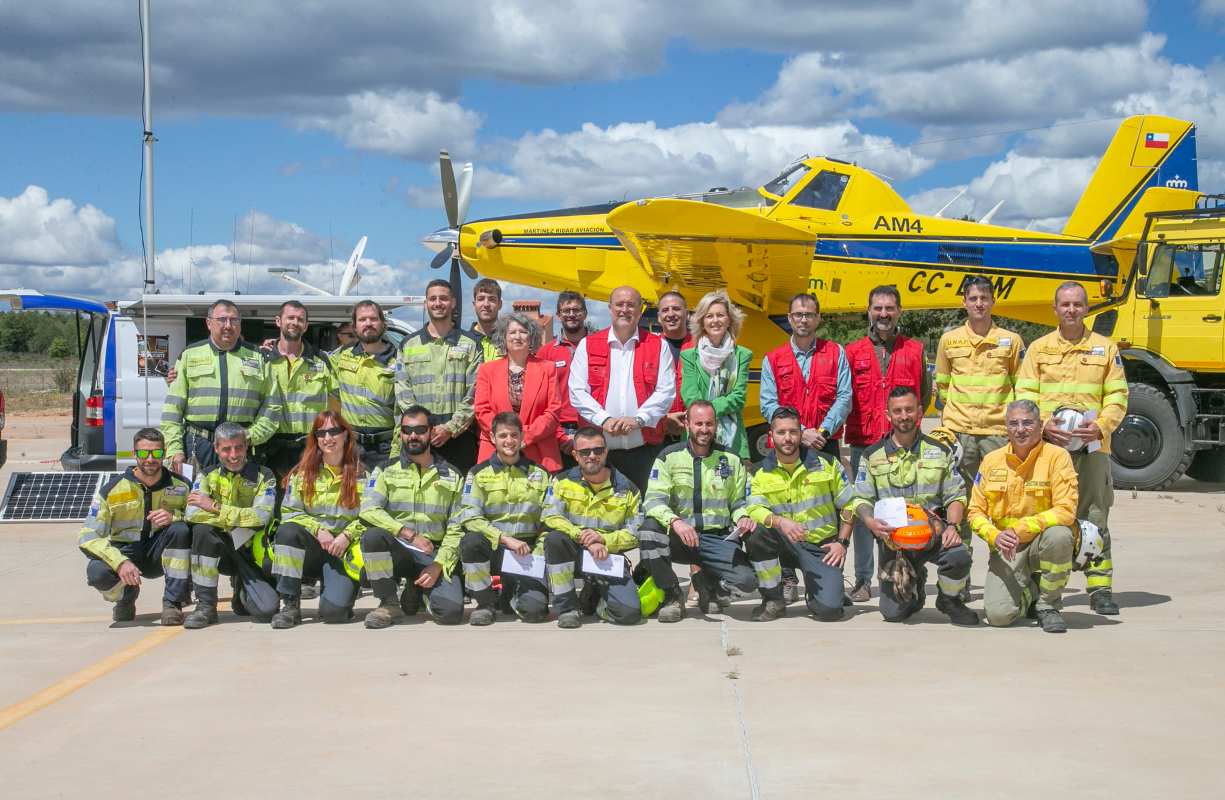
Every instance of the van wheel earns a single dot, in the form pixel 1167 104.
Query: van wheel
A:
pixel 1148 450
pixel 758 435
pixel 1208 465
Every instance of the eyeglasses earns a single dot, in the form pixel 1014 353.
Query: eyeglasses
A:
pixel 420 430
pixel 587 452
pixel 226 322
pixel 803 315
pixel 1020 424
pixel 325 432
pixel 156 452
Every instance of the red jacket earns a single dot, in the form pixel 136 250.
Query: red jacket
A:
pixel 812 398
pixel 646 370
pixel 538 410
pixel 867 423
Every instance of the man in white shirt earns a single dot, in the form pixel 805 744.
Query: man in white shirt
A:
pixel 622 380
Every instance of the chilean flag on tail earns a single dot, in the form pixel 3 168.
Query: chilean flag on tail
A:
pixel 1161 141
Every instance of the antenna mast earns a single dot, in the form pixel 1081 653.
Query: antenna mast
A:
pixel 150 246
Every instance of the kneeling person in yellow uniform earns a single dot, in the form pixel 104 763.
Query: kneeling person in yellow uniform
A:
pixel 795 497
pixel 320 529
pixel 502 503
pixel 229 509
pixel 134 530
pixel 410 507
pixel 591 507
pixel 1024 506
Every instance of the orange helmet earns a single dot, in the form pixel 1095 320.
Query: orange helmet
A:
pixel 916 534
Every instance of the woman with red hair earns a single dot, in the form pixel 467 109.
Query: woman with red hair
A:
pixel 319 531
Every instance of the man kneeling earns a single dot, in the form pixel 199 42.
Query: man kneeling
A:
pixel 592 507
pixel 1024 506
pixel 411 505
pixel 229 509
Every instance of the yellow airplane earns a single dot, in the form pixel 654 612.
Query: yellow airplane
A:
pixel 835 229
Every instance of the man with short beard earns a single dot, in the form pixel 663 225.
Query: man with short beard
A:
pixel 437 370
pixel 365 378
pixel 572 314
pixel 307 385
pixel 909 465
pixel 411 506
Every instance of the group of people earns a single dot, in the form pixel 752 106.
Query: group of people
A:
pixel 489 464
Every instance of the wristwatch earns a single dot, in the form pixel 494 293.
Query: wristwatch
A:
pixel 823 432
pixel 844 542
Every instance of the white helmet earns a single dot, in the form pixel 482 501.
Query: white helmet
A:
pixel 1091 544
pixel 1069 419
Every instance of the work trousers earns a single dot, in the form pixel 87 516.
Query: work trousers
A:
pixel 834 450
pixel 724 558
pixel 282 453
pixel 374 448
pixel 563 558
pixel 635 464
pixel 389 560
pixel 460 451
pixel 529 598
pixel 771 552
pixel 1010 583
pixel 163 552
pixel 973 448
pixel 862 540
pixel 1096 487
pixel 297 555
pixel 213 553
pixel 952 573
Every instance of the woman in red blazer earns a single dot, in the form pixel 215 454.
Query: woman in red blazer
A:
pixel 522 383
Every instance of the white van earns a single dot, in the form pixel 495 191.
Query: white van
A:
pixel 127 348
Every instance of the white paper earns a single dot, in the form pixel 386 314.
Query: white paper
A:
pixel 891 511
pixel 411 546
pixel 187 471
pixel 734 536
pixel 1096 444
pixel 611 567
pixel 529 565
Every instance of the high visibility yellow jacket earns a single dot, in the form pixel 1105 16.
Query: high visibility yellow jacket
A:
pixel 489 351
pixel 247 497
pixel 709 492
pixel 611 509
pixel 810 491
pixel 504 499
pixel 118 512
pixel 307 385
pixel 404 495
pixel 923 474
pixel 1086 375
pixel 366 385
pixel 212 386
pixel 325 511
pixel 440 374
pixel 974 378
pixel 1028 496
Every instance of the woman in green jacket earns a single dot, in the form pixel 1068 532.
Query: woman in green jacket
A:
pixel 717 369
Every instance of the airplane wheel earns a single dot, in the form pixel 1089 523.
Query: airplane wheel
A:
pixel 758 436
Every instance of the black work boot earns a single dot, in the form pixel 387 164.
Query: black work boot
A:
pixel 202 616
pixel 290 614
pixel 172 614
pixel 1102 601
pixel 707 586
pixel 1052 621
pixel 673 608
pixel 791 589
pixel 410 599
pixel 481 617
pixel 388 613
pixel 770 609
pixel 588 598
pixel 952 607
pixel 125 607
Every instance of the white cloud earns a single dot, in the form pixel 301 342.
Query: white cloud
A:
pixel 637 159
pixel 34 229
pixel 1212 8
pixel 411 124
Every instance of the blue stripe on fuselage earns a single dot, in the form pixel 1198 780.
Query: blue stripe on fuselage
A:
pixel 1069 259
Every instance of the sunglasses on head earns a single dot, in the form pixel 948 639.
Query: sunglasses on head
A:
pixel 420 430
pixel 587 452
pixel 323 432
pixel 156 452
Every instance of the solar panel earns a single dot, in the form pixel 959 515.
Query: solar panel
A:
pixel 49 496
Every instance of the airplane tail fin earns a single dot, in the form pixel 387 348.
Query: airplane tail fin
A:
pixel 1147 151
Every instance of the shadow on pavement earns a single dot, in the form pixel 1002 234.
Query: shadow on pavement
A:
pixel 1124 599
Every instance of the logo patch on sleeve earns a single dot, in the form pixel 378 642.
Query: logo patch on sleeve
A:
pixel 1098 351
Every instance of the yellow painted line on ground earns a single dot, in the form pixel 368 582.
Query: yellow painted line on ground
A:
pixel 79 680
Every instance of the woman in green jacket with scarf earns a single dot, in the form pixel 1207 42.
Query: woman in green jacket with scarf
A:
pixel 717 369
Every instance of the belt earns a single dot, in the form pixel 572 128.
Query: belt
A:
pixel 200 430
pixel 290 438
pixel 375 436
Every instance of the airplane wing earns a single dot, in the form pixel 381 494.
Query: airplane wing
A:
pixel 705 246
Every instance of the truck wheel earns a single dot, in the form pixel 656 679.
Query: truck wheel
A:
pixel 1208 465
pixel 758 436
pixel 1148 450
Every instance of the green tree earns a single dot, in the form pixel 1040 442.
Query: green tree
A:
pixel 59 348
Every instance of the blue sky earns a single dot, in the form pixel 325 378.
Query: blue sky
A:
pixel 308 131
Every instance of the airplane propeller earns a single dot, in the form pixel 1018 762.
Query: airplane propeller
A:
pixel 456 197
pixel 351 277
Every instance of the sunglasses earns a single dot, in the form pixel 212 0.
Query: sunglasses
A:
pixel 324 432
pixel 157 452
pixel 587 452
pixel 420 430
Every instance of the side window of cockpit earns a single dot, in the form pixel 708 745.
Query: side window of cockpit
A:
pixel 823 192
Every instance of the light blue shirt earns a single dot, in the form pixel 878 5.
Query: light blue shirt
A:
pixel 842 399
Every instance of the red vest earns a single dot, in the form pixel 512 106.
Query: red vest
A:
pixel 867 423
pixel 812 398
pixel 561 353
pixel 646 371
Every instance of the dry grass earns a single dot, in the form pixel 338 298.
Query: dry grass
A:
pixel 38 403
